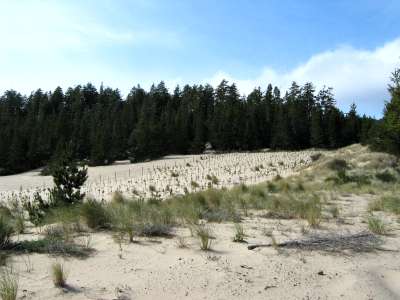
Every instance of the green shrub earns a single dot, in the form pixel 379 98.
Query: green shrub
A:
pixel 386 176
pixel 68 179
pixel 155 221
pixel 6 230
pixel 95 214
pixel 123 220
pixel 36 208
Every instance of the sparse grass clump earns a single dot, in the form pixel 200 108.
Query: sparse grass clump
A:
pixel 204 234
pixel 313 211
pixel 181 242
pixel 123 221
pixel 389 203
pixel 95 214
pixel 8 285
pixel 59 275
pixel 239 233
pixel 376 225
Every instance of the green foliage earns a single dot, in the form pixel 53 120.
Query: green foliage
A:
pixel 386 176
pixel 95 214
pixel 387 135
pixel 36 208
pixel 6 230
pixel 68 179
pixel 55 242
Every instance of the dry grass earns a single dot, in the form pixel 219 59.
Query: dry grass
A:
pixel 8 285
pixel 376 225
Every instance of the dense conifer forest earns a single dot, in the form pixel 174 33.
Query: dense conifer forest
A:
pixel 101 127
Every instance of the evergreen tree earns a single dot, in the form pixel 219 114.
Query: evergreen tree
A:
pixel 68 179
pixel 388 132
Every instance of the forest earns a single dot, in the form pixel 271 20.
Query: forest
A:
pixel 99 126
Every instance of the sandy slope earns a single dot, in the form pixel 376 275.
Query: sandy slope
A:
pixel 170 175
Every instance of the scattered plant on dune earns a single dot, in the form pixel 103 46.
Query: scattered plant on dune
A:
pixel 59 275
pixel 95 214
pixel 389 203
pixel 203 232
pixel 239 233
pixel 376 225
pixel 181 242
pixel 123 220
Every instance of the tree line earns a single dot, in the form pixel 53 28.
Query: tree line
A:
pixel 100 127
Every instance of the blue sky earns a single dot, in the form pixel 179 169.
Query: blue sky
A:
pixel 350 45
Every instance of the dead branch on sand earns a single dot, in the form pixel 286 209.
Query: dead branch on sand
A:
pixel 359 242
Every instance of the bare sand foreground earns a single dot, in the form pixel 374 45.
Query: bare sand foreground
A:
pixel 157 268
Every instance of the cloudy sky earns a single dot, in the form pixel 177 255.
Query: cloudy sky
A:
pixel 352 46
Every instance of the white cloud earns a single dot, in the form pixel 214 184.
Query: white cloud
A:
pixel 356 75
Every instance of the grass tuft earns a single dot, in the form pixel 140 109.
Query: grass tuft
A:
pixel 203 232
pixel 59 275
pixel 376 225
pixel 8 285
pixel 239 233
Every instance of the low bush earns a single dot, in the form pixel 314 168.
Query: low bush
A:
pixel 6 230
pixel 95 214
pixel 386 176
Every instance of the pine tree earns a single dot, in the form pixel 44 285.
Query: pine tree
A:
pixel 388 135
pixel 68 179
